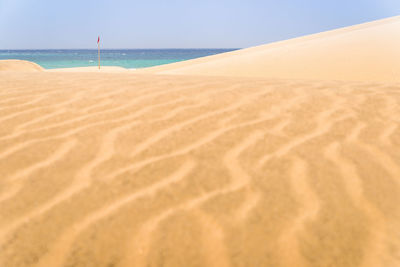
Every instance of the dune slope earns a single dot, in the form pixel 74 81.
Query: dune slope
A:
pixel 127 170
pixel 19 65
pixel 91 69
pixel 368 51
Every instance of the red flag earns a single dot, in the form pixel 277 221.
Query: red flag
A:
pixel 98 40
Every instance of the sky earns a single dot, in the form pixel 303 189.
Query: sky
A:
pixel 74 24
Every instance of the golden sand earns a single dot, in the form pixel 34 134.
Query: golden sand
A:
pixel 132 169
pixel 19 65
pixel 367 52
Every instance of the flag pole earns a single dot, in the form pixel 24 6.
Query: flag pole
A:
pixel 98 50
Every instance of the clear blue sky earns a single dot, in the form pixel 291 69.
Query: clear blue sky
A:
pixel 41 24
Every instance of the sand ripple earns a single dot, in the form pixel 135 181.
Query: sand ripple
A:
pixel 139 170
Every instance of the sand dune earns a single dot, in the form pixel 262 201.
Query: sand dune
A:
pixel 27 66
pixel 129 169
pixel 92 69
pixel 19 65
pixel 368 51
pixel 135 170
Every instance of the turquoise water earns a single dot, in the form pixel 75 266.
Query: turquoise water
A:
pixel 127 58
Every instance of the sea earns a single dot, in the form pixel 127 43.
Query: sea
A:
pixel 127 58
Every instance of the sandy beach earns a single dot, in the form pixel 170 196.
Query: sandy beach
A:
pixel 286 154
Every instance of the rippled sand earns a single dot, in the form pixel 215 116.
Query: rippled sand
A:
pixel 124 169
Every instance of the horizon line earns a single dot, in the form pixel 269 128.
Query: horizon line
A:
pixel 19 49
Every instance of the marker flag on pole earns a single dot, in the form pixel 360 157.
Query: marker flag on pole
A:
pixel 98 49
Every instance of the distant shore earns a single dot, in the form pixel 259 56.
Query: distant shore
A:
pixel 126 58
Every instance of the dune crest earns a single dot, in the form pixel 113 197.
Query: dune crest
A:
pixel 19 65
pixel 365 52
pixel 91 69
